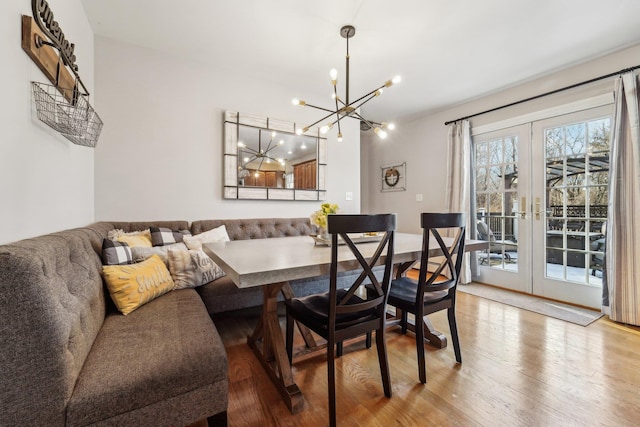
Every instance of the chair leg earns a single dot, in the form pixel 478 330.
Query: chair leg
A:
pixel 339 349
pixel 289 338
pixel 451 314
pixel 422 369
pixel 331 382
pixel 381 346
pixel 367 341
pixel 403 322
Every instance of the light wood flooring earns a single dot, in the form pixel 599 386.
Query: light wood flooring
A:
pixel 518 369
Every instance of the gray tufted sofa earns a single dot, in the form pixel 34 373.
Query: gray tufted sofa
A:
pixel 68 357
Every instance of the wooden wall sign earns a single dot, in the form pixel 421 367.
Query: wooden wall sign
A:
pixel 47 59
pixel 64 105
pixel 46 44
pixel 44 18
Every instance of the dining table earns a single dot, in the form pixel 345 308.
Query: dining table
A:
pixel 274 263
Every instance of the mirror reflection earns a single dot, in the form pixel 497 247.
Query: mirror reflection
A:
pixel 267 158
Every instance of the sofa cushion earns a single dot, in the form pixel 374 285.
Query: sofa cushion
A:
pixel 161 236
pixel 116 253
pixel 190 269
pixel 160 352
pixel 141 253
pixel 131 286
pixel 218 234
pixel 257 228
pixel 133 238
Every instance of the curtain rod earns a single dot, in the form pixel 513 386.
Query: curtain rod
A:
pixel 545 94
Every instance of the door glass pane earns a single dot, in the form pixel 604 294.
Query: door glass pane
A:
pixel 495 178
pixel 511 176
pixel 481 202
pixel 599 132
pixel 554 142
pixel 495 152
pixel 577 172
pixel 481 154
pixel 575 139
pixel 497 202
pixel 511 150
pixel 481 179
pixel 598 197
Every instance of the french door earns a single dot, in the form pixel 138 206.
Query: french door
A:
pixel 570 190
pixel 502 190
pixel 541 204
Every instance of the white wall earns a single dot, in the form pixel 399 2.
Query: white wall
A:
pixel 46 182
pixel 160 154
pixel 422 142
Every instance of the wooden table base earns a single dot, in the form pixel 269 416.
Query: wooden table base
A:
pixel 268 344
pixel 431 336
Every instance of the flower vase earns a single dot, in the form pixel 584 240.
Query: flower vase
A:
pixel 323 233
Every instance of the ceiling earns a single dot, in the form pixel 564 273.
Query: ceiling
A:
pixel 447 52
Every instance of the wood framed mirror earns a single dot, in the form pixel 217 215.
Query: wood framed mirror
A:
pixel 264 159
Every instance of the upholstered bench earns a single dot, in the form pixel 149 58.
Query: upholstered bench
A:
pixel 68 358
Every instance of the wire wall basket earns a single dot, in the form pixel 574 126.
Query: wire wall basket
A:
pixel 78 123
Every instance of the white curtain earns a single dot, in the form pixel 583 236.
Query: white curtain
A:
pixel 623 225
pixel 458 180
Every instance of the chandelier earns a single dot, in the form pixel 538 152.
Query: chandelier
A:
pixel 263 154
pixel 347 107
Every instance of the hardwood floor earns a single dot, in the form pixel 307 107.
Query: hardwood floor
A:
pixel 518 369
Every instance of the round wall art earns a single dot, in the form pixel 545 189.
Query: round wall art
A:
pixel 393 177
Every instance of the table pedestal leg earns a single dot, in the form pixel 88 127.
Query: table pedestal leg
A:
pixel 272 353
pixel 309 340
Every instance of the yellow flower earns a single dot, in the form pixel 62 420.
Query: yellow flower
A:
pixel 319 217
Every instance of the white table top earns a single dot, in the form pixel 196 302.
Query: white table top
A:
pixel 264 261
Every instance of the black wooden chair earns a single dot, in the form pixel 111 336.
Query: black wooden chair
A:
pixel 435 288
pixel 341 314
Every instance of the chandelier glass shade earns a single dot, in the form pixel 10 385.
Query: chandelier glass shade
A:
pixel 347 107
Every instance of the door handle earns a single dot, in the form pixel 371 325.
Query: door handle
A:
pixel 523 208
pixel 537 211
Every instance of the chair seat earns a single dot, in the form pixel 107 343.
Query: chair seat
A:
pixel 314 311
pixel 403 293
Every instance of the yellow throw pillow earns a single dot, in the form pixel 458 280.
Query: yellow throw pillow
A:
pixel 133 238
pixel 132 286
pixel 141 240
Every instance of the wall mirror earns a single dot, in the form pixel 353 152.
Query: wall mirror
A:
pixel 264 159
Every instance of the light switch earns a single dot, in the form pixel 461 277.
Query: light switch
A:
pixel 418 197
pixel 348 195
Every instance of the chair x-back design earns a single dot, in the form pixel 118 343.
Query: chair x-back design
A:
pixel 341 314
pixel 435 288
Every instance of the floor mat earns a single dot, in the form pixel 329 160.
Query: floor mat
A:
pixel 558 310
